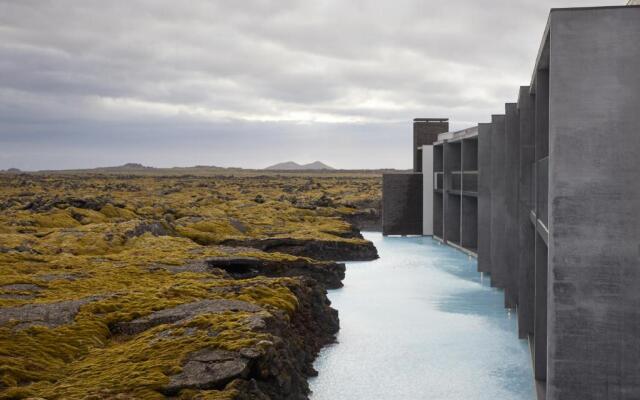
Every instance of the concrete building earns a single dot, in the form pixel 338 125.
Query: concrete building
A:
pixel 402 192
pixel 455 189
pixel 555 215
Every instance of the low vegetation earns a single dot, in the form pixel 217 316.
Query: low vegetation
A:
pixel 81 255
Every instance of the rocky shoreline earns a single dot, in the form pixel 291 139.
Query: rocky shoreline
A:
pixel 323 250
pixel 161 287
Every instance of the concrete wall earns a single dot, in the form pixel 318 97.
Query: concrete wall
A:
pixel 526 230
pixel 425 131
pixel 511 173
pixel 402 204
pixel 558 205
pixel 484 197
pixel 594 203
pixel 498 204
pixel 427 190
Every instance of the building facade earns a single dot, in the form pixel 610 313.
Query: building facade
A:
pixel 547 196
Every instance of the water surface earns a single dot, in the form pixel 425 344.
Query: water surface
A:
pixel 421 323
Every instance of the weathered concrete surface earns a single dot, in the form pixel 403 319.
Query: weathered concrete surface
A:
pixel 402 204
pixel 427 190
pixel 526 232
pixel 452 162
pixel 498 205
pixel 484 197
pixel 594 249
pixel 511 172
pixel 425 131
pixel 540 329
pixel 469 223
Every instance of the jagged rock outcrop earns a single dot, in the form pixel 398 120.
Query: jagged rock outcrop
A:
pixel 277 368
pixel 325 250
pixel 329 274
pixel 182 312
pixel 49 314
pixel 365 220
pixel 208 369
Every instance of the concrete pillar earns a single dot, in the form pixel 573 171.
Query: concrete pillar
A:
pixel 469 202
pixel 526 230
pixel 402 204
pixel 594 200
pixel 452 202
pixel 425 131
pixel 438 194
pixel 484 197
pixel 427 190
pixel 541 264
pixel 512 165
pixel 498 232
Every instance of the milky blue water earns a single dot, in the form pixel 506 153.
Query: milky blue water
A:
pixel 421 323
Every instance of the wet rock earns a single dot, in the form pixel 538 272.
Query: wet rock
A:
pixel 182 312
pixel 50 315
pixel 208 369
pixel 365 220
pixel 330 274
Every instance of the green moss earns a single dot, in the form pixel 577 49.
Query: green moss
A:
pixel 110 211
pixel 55 219
pixel 76 253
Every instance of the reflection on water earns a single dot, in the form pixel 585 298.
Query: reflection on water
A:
pixel 421 323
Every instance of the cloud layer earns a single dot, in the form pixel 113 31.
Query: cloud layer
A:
pixel 249 83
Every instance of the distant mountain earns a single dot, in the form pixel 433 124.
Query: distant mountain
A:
pixel 294 166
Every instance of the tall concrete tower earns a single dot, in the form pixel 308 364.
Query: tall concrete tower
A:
pixel 425 131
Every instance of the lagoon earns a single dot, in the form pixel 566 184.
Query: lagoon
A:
pixel 421 323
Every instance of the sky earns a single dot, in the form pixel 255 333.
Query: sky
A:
pixel 90 83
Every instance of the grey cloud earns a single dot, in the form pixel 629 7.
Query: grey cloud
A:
pixel 85 83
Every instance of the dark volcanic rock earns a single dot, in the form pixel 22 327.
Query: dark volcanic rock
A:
pixel 282 371
pixel 154 227
pixel 325 250
pixel 182 312
pixel 277 368
pixel 329 274
pixel 44 204
pixel 365 220
pixel 208 369
pixel 50 315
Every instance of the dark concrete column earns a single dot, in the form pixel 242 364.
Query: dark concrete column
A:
pixel 452 203
pixel 438 195
pixel 594 200
pixel 484 197
pixel 541 268
pixel 526 230
pixel 541 264
pixel 512 164
pixel 498 232
pixel 402 204
pixel 426 131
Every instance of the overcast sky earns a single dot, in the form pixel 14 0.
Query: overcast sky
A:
pixel 254 82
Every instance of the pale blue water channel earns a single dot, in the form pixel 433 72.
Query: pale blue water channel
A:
pixel 421 323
